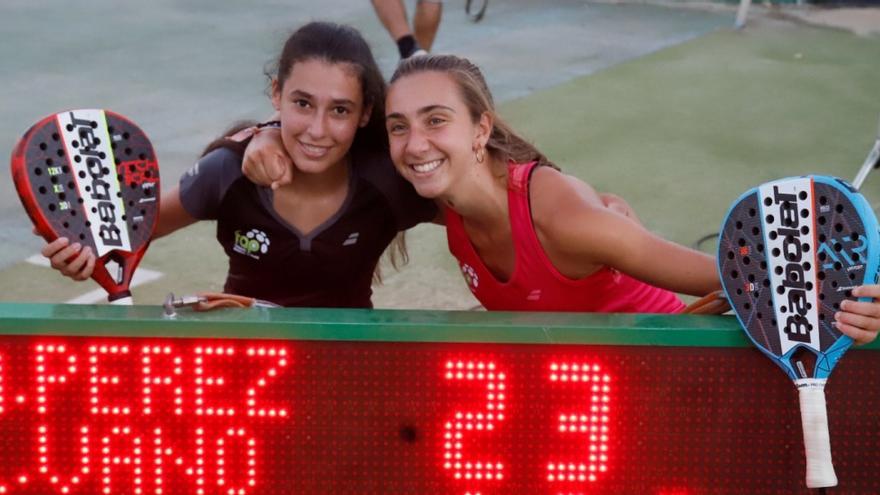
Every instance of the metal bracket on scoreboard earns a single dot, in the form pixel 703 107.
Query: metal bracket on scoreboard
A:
pixel 171 303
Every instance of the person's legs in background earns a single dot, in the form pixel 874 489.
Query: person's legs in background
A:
pixel 426 21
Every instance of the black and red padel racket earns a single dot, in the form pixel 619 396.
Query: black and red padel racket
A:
pixel 91 176
pixel 790 252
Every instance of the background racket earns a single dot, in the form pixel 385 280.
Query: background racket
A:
pixel 91 176
pixel 872 161
pixel 790 252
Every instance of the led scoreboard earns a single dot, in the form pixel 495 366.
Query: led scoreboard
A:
pixel 111 400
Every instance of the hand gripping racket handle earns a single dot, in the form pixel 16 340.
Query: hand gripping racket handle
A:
pixel 817 441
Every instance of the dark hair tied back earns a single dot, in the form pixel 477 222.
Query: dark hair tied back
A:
pixel 335 44
pixel 341 44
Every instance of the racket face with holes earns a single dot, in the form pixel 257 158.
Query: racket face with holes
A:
pixel 91 176
pixel 790 252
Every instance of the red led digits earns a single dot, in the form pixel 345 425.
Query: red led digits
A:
pixel 153 359
pixel 232 437
pixel 54 367
pixel 199 470
pixel 167 459
pixel 100 381
pixel 120 451
pixel 121 416
pixel 461 422
pixel 160 452
pixel 203 381
pixel 195 469
pixel 44 377
pixel 279 357
pixel 1 385
pixel 592 424
pixel 3 487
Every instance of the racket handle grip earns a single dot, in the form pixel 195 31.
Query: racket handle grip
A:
pixel 817 441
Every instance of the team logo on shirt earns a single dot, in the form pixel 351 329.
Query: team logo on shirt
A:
pixel 254 243
pixel 470 276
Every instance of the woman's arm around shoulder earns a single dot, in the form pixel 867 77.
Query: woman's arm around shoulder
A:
pixel 580 233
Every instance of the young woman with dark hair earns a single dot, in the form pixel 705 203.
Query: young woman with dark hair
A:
pixel 315 241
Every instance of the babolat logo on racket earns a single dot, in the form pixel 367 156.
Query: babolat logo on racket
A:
pixel 791 260
pixel 87 143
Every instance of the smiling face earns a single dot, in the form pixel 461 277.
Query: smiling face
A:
pixel 431 133
pixel 321 106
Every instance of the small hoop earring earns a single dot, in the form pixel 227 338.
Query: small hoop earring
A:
pixel 480 154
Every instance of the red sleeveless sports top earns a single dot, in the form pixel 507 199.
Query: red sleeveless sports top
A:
pixel 535 284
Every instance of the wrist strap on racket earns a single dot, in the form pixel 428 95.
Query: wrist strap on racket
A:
pixel 714 303
pixel 207 301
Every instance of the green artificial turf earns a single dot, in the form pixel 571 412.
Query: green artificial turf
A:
pixel 681 133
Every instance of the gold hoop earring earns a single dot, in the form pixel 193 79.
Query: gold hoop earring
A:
pixel 480 154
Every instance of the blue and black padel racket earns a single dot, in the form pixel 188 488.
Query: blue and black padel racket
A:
pixel 91 175
pixel 790 252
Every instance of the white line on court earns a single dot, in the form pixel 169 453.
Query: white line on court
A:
pixel 39 260
pixel 141 276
